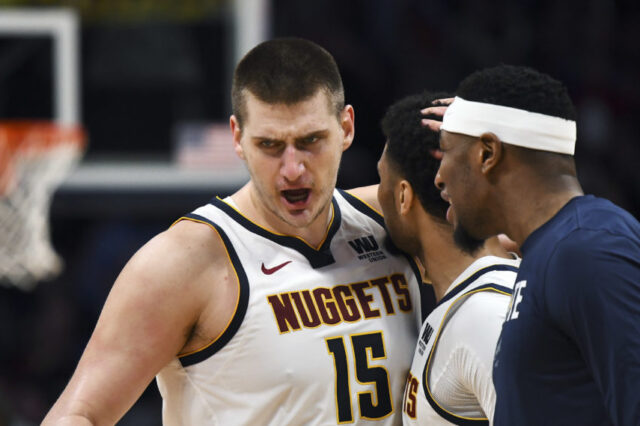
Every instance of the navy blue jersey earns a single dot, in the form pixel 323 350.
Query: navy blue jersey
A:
pixel 569 351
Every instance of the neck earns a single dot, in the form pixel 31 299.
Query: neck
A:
pixel 523 216
pixel 443 260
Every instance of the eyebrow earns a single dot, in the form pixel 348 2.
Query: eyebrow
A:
pixel 265 138
pixel 316 133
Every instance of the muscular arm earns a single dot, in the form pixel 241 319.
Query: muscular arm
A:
pixel 146 321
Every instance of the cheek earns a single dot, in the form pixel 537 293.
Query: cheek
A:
pixel 390 223
pixel 458 184
pixel 325 167
pixel 384 204
pixel 401 236
pixel 451 165
pixel 380 196
pixel 264 171
pixel 467 194
pixel 385 198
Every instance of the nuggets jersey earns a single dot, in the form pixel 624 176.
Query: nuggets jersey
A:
pixel 463 357
pixel 319 336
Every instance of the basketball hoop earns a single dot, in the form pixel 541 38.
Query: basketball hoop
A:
pixel 35 157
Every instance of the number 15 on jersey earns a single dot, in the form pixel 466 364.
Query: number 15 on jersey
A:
pixel 373 405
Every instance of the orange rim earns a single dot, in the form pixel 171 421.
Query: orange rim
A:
pixel 34 137
pixel 42 133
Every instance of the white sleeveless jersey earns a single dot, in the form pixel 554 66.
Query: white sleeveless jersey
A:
pixel 319 336
pixel 421 407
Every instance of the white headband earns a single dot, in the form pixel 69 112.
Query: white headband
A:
pixel 511 125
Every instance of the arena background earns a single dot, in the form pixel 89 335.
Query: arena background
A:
pixel 150 67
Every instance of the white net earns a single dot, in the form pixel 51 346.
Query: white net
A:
pixel 34 159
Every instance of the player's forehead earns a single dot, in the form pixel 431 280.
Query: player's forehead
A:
pixel 309 115
pixel 450 140
pixel 446 138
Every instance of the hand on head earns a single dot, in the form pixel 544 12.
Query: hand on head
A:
pixel 438 108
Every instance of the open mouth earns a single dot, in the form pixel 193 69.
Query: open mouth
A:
pixel 296 196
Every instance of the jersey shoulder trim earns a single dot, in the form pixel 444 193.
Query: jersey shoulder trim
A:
pixel 317 257
pixel 241 304
pixel 462 286
pixel 362 207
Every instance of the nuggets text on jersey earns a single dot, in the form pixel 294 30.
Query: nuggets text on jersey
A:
pixel 348 302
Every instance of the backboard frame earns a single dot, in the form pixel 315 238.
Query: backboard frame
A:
pixel 62 25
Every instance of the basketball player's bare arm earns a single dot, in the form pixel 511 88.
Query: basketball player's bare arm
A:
pixel 368 194
pixel 163 292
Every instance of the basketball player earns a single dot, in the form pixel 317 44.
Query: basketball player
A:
pixel 569 351
pixel 277 305
pixel 450 378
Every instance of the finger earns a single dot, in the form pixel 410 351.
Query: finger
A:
pixel 432 124
pixel 434 110
pixel 509 244
pixel 436 153
pixel 443 101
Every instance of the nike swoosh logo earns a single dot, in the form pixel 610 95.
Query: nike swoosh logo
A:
pixel 269 271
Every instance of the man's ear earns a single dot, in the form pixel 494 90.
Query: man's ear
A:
pixel 236 134
pixel 491 152
pixel 347 122
pixel 405 196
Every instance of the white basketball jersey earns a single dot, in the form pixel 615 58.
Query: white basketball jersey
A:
pixel 320 336
pixel 487 274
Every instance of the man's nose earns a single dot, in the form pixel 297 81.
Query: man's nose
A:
pixel 292 164
pixel 438 181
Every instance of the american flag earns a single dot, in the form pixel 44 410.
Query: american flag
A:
pixel 205 146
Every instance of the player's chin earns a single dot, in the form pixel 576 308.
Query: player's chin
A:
pixel 298 218
pixel 301 218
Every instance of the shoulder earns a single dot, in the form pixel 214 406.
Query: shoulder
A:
pixel 187 248
pixel 176 266
pixel 185 273
pixel 601 236
pixel 192 235
pixel 599 213
pixel 368 195
pixel 590 267
pixel 600 221
pixel 479 312
pixel 591 253
pixel 475 324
